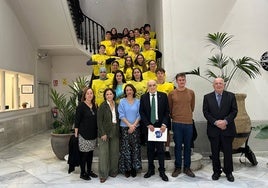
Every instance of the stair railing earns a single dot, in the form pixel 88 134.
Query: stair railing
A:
pixel 89 32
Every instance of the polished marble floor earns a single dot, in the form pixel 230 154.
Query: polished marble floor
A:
pixel 32 164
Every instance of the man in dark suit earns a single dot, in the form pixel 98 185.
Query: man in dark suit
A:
pixel 159 119
pixel 220 110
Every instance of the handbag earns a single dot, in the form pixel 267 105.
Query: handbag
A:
pixel 249 155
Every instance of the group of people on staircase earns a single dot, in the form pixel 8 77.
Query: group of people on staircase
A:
pixel 129 96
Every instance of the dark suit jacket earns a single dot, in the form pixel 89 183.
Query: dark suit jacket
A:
pixel 74 154
pixel 162 107
pixel 227 111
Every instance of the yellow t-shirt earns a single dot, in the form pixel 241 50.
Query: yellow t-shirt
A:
pixel 149 55
pixel 110 50
pixel 101 59
pixel 98 86
pixel 132 55
pixel 127 48
pixel 110 76
pixel 166 87
pixel 153 44
pixel 106 43
pixel 128 73
pixel 152 34
pixel 141 87
pixel 149 75
pixel 140 40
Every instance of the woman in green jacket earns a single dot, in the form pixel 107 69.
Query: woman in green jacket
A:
pixel 108 133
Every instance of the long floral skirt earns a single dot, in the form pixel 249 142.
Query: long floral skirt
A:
pixel 130 150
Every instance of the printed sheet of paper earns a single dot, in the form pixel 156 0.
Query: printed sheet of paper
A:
pixel 156 135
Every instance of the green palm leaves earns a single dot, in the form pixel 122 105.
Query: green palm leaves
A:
pixel 225 66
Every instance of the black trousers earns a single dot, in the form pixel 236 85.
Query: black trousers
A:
pixel 159 148
pixel 86 161
pixel 224 144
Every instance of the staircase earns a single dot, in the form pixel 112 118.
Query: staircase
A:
pixel 88 32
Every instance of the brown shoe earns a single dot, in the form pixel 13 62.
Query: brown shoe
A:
pixel 189 172
pixel 102 180
pixel 176 172
pixel 113 175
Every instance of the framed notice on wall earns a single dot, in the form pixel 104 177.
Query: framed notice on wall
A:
pixel 27 89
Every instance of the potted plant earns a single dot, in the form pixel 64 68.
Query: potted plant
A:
pixel 226 67
pixel 263 131
pixel 64 118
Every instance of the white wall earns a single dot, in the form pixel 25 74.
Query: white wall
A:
pixel 187 22
pixel 68 68
pixel 16 52
pixel 116 13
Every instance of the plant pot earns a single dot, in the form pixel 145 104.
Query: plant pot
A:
pixel 242 122
pixel 60 144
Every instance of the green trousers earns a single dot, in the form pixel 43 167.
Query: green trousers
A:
pixel 108 157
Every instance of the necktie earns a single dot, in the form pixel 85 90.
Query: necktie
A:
pixel 153 109
pixel 219 100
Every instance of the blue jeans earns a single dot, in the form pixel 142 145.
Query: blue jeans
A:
pixel 182 134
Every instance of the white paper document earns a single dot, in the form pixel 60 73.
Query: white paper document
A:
pixel 156 135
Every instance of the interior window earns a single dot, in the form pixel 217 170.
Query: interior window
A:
pixel 17 90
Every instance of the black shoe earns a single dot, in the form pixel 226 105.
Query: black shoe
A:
pixel 167 155
pixel 216 175
pixel 149 174
pixel 163 176
pixel 85 176
pixel 127 174
pixel 92 174
pixel 230 177
pixel 133 173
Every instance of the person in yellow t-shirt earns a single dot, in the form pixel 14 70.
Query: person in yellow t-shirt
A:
pixel 128 68
pixel 107 41
pixel 98 61
pixel 120 56
pixel 147 27
pixel 131 34
pixel 147 52
pixel 138 82
pixel 110 50
pixel 153 42
pixel 150 74
pixel 138 39
pixel 119 39
pixel 134 51
pixel 99 85
pixel 132 42
pixel 162 85
pixel 125 31
pixel 140 63
pixel 165 87
pixel 114 68
pixel 125 44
